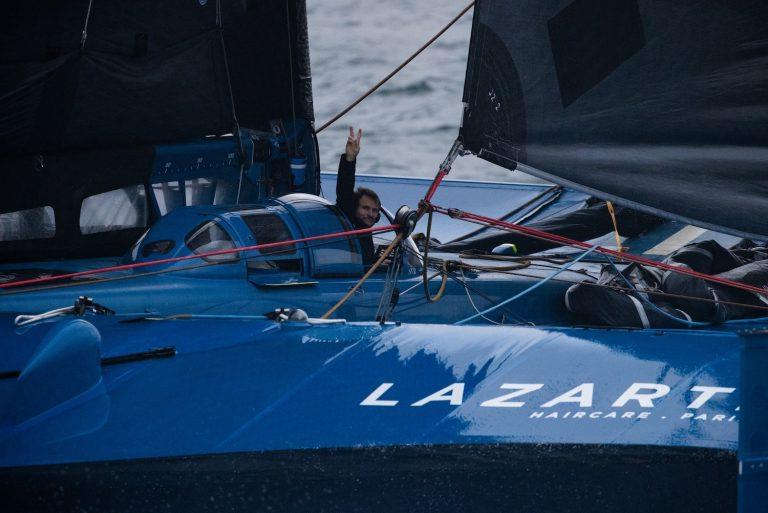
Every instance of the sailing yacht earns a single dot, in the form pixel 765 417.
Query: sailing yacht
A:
pixel 139 143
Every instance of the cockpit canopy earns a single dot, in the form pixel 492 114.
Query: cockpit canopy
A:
pixel 221 230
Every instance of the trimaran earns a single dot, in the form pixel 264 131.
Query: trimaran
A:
pixel 119 177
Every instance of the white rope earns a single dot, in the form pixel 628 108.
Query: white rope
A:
pixel 23 320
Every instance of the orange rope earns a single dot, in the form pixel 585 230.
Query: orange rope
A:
pixel 612 212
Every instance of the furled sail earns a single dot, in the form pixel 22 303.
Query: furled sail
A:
pixel 104 73
pixel 659 105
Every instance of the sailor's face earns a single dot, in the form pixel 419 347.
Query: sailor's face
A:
pixel 367 211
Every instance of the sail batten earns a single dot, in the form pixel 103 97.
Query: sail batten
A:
pixel 657 104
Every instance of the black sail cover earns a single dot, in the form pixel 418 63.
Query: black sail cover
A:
pixel 78 74
pixel 661 105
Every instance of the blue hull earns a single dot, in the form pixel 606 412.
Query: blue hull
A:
pixel 247 414
pixel 203 414
pixel 249 385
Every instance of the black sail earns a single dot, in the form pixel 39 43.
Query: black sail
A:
pixel 147 71
pixel 660 105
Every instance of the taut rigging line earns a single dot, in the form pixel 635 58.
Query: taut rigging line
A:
pixel 468 216
pixel 396 70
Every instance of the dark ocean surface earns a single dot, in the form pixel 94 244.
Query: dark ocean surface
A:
pixel 411 122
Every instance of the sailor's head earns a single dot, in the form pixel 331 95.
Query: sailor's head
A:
pixel 367 211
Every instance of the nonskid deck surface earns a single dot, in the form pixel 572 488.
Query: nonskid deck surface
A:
pixel 520 478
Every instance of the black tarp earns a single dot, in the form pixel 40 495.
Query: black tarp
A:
pixel 80 118
pixel 658 105
pixel 62 181
pixel 148 72
pixel 645 297
pixel 587 223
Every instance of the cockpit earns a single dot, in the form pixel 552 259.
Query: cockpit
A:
pixel 217 232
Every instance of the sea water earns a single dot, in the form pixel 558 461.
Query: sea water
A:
pixel 411 122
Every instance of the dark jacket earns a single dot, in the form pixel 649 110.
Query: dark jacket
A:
pixel 347 202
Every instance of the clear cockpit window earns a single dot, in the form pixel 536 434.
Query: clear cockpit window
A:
pixel 268 228
pixel 33 223
pixel 119 209
pixel 209 237
pixel 331 257
pixel 196 191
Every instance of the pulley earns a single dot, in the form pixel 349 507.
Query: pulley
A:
pixel 406 219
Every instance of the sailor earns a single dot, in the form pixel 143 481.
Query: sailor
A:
pixel 362 205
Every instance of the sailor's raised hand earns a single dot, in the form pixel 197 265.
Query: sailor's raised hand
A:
pixel 353 144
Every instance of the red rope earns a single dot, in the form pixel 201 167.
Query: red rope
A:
pixel 137 265
pixel 436 183
pixel 572 242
